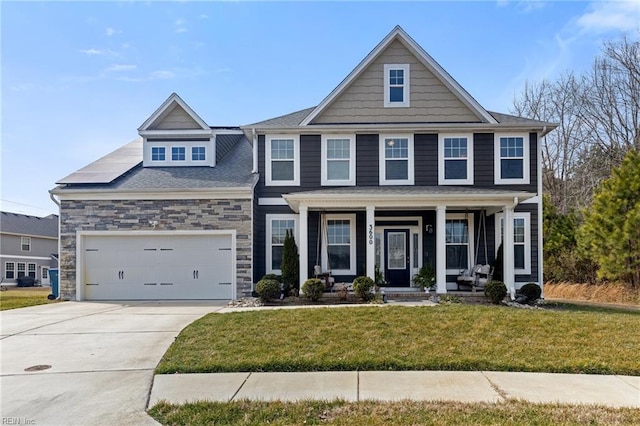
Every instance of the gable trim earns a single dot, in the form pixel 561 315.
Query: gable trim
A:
pixel 423 56
pixel 165 105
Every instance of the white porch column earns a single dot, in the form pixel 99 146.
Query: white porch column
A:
pixel 371 242
pixel 441 250
pixel 303 247
pixel 507 252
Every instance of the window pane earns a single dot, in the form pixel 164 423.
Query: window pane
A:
pixel 396 94
pixel 10 271
pixel 338 170
pixel 31 271
pixel 518 230
pixel 396 250
pixel 197 153
pixel 178 153
pixel 512 147
pixel 276 257
pixel 338 232
pixel 455 148
pixel 338 148
pixel 456 231
pixel 455 169
pixel 396 148
pixel 414 261
pixel 511 169
pixel 457 257
pixel 21 270
pixel 157 153
pixel 339 257
pixel 282 149
pixel 518 255
pixel 397 169
pixel 282 170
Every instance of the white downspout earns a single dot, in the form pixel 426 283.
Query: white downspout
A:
pixel 255 151
pixel 57 203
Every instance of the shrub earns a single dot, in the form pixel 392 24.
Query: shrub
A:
pixel 495 291
pixel 531 291
pixel 268 288
pixel 313 289
pixel 290 263
pixel 362 287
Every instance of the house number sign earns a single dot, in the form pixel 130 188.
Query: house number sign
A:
pixel 370 234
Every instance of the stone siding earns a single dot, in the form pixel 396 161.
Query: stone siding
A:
pixel 183 215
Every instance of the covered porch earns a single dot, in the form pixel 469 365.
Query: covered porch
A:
pixel 351 231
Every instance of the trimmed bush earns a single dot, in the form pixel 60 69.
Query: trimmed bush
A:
pixel 290 263
pixel 313 289
pixel 495 291
pixel 267 289
pixel 362 287
pixel 531 291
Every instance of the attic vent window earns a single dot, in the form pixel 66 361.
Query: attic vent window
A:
pixel 396 85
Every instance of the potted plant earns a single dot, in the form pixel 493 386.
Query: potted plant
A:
pixel 425 279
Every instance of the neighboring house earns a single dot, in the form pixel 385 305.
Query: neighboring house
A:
pixel 397 168
pixel 28 247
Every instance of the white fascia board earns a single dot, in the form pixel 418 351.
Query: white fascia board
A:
pixel 28 235
pixel 176 133
pixel 177 99
pixel 226 193
pixel 423 56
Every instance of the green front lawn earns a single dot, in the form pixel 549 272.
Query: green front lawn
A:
pixel 21 297
pixel 446 337
pixel 390 413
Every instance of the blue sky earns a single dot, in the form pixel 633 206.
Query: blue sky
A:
pixel 78 78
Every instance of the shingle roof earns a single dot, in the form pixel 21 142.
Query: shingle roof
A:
pixel 16 223
pixel 234 171
pixel 295 118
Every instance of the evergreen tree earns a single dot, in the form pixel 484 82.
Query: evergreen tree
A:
pixel 610 234
pixel 498 265
pixel 290 263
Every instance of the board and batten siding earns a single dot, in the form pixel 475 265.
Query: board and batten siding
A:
pixel 176 119
pixel 430 99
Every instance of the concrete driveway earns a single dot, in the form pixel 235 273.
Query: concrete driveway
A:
pixel 101 357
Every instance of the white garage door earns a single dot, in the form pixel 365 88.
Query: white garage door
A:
pixel 150 267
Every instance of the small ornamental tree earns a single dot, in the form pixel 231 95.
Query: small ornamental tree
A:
pixel 610 234
pixel 290 263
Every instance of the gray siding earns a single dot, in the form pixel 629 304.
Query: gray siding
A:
pixel 176 118
pixel 367 165
pixel 430 100
pixel 426 159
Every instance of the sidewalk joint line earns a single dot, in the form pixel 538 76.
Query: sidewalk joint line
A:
pixel 239 388
pixel 495 387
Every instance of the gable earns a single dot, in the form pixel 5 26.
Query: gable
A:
pixel 362 101
pixel 174 118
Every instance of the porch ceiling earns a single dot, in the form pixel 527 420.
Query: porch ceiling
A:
pixel 404 197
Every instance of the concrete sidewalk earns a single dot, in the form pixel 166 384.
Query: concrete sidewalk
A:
pixel 463 386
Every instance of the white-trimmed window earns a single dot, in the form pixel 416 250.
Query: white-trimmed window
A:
pixel 339 252
pixel 22 269
pixel 198 153
pixel 158 153
pixel 10 270
pixel 178 153
pixel 396 160
pixel 31 270
pixel 277 226
pixel 282 157
pixel 521 240
pixel 511 158
pixel 458 242
pixel 455 159
pixel 339 160
pixel 396 85
pixel 25 243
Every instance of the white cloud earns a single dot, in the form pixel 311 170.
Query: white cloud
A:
pixel 92 52
pixel 121 67
pixel 162 75
pixel 111 31
pixel 180 25
pixel 181 30
pixel 203 16
pixel 180 22
pixel 611 15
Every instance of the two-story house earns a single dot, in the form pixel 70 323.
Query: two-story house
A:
pixel 396 168
pixel 28 247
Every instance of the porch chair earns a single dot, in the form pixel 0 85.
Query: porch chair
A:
pixel 476 277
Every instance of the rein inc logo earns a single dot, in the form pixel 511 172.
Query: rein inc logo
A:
pixel 17 421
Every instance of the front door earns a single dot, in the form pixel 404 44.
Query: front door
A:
pixel 396 257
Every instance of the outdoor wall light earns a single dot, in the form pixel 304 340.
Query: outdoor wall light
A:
pixel 153 223
pixel 429 229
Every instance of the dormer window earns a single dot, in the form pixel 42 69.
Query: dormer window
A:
pixel 198 153
pixel 178 153
pixel 396 85
pixel 158 153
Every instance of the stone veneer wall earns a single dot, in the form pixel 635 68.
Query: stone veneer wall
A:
pixel 184 215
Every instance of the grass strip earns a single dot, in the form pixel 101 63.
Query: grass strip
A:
pixel 14 298
pixel 390 413
pixel 448 337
